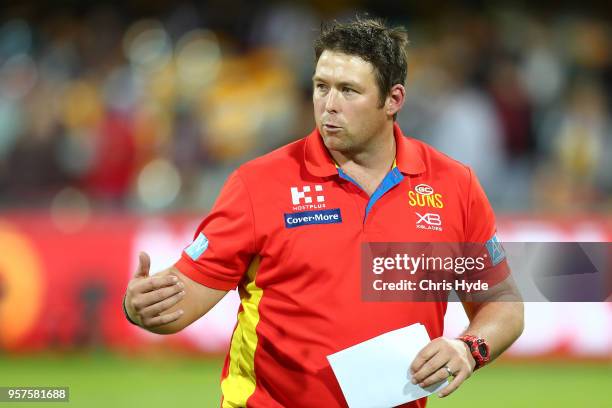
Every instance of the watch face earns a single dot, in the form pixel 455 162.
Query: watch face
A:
pixel 482 349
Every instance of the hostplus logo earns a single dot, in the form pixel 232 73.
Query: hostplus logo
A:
pixel 307 199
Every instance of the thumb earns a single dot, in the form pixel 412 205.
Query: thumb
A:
pixel 144 263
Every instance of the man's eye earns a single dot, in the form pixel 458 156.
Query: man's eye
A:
pixel 347 90
pixel 321 87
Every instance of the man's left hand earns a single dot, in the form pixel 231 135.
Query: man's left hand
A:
pixel 429 366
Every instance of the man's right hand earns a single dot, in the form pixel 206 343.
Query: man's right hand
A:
pixel 148 297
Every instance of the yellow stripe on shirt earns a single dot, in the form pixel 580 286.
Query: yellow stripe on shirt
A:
pixel 240 382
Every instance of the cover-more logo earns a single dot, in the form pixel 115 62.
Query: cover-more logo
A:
pixel 306 199
pixel 424 196
pixel 429 221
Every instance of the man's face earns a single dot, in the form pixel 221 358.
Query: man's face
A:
pixel 346 102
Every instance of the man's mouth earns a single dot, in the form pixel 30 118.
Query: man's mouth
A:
pixel 331 127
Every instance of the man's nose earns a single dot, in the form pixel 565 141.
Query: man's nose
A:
pixel 331 104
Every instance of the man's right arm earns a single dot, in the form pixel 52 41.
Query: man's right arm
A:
pixel 167 302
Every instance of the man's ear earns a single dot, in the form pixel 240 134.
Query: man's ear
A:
pixel 395 100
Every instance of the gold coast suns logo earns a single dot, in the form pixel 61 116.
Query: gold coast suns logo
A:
pixel 424 196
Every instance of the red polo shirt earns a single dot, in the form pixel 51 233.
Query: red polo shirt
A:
pixel 286 230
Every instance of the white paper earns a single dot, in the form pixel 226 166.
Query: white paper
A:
pixel 376 373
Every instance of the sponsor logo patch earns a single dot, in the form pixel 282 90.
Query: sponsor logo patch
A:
pixel 496 250
pixel 429 221
pixel 197 247
pixel 298 219
pixel 424 196
pixel 424 189
pixel 307 199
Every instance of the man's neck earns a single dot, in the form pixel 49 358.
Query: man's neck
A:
pixel 376 158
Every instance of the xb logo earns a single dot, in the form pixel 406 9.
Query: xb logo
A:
pixel 429 219
pixel 297 196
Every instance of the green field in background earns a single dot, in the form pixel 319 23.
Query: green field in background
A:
pixel 106 380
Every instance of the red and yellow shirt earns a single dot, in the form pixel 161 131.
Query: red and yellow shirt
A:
pixel 287 229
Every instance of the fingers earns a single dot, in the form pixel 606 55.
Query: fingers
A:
pixel 147 298
pixel 144 292
pixel 429 366
pixel 425 354
pixel 142 300
pixel 151 284
pixel 144 264
pixel 162 319
pixel 440 374
pixel 454 384
pixel 429 373
pixel 160 307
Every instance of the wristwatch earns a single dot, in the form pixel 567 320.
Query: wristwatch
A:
pixel 479 349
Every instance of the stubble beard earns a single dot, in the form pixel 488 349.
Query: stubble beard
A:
pixel 340 142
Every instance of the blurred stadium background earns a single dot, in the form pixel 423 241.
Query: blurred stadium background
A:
pixel 119 122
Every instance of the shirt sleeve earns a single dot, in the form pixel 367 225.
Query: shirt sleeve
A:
pixel 224 243
pixel 481 236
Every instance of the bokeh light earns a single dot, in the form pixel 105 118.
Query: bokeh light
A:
pixel 70 210
pixel 147 45
pixel 158 184
pixel 198 61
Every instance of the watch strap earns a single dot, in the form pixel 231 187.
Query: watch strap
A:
pixel 479 349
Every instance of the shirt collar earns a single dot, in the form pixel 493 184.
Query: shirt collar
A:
pixel 320 163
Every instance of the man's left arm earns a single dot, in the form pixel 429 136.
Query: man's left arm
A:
pixel 498 320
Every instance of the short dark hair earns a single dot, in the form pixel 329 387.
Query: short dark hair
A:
pixel 383 47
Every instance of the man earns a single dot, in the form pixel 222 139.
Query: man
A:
pixel 287 230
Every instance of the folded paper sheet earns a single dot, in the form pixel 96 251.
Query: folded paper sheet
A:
pixel 376 373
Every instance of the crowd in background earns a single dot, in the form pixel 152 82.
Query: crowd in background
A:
pixel 102 107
